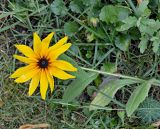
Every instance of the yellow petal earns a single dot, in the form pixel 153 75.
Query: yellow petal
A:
pixel 24 59
pixel 60 73
pixel 50 80
pixel 56 53
pixel 34 84
pixel 46 41
pixel 27 51
pixel 64 65
pixel 19 72
pixel 43 84
pixel 59 44
pixel 45 44
pixel 27 76
pixel 36 43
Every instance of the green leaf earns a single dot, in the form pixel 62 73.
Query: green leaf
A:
pixel 142 9
pixel 77 86
pixel 82 80
pixel 148 26
pixel 58 7
pixel 122 42
pixel 9 26
pixel 112 14
pixel 122 12
pixel 143 43
pixel 121 115
pixel 156 44
pixel 110 90
pixel 70 28
pixel 109 67
pixel 109 14
pixel 76 6
pixel 149 110
pixel 138 96
pixel 128 23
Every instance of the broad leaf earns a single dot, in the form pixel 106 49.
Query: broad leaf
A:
pixel 128 23
pixel 112 14
pixel 76 6
pixel 110 90
pixel 82 80
pixel 70 28
pixel 58 7
pixel 138 96
pixel 148 26
pixel 122 42
pixel 78 85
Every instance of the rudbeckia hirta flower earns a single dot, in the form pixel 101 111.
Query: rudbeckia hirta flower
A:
pixel 43 64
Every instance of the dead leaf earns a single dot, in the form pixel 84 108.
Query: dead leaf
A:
pixel 31 126
pixel 1 103
pixel 156 124
pixel 139 1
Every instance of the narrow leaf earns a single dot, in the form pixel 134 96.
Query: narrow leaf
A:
pixel 110 90
pixel 82 80
pixel 138 96
pixel 78 85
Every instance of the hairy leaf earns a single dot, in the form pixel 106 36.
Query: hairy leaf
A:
pixel 149 110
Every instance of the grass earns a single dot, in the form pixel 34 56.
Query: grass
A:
pixel 18 20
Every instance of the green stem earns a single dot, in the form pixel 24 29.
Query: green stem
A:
pixel 113 74
pixel 132 6
pixel 156 82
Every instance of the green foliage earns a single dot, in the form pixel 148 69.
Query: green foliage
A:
pixel 156 44
pixel 142 9
pixel 148 29
pixel 82 80
pixel 58 7
pixel 137 97
pixel 112 14
pixel 149 110
pixel 143 43
pixel 109 67
pixel 76 6
pixel 70 28
pixel 121 115
pixel 128 23
pixel 78 85
pixel 108 92
pixel 122 42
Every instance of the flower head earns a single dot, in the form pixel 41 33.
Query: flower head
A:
pixel 43 64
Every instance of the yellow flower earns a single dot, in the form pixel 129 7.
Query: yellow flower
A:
pixel 42 64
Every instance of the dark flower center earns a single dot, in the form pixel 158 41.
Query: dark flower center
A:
pixel 43 63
